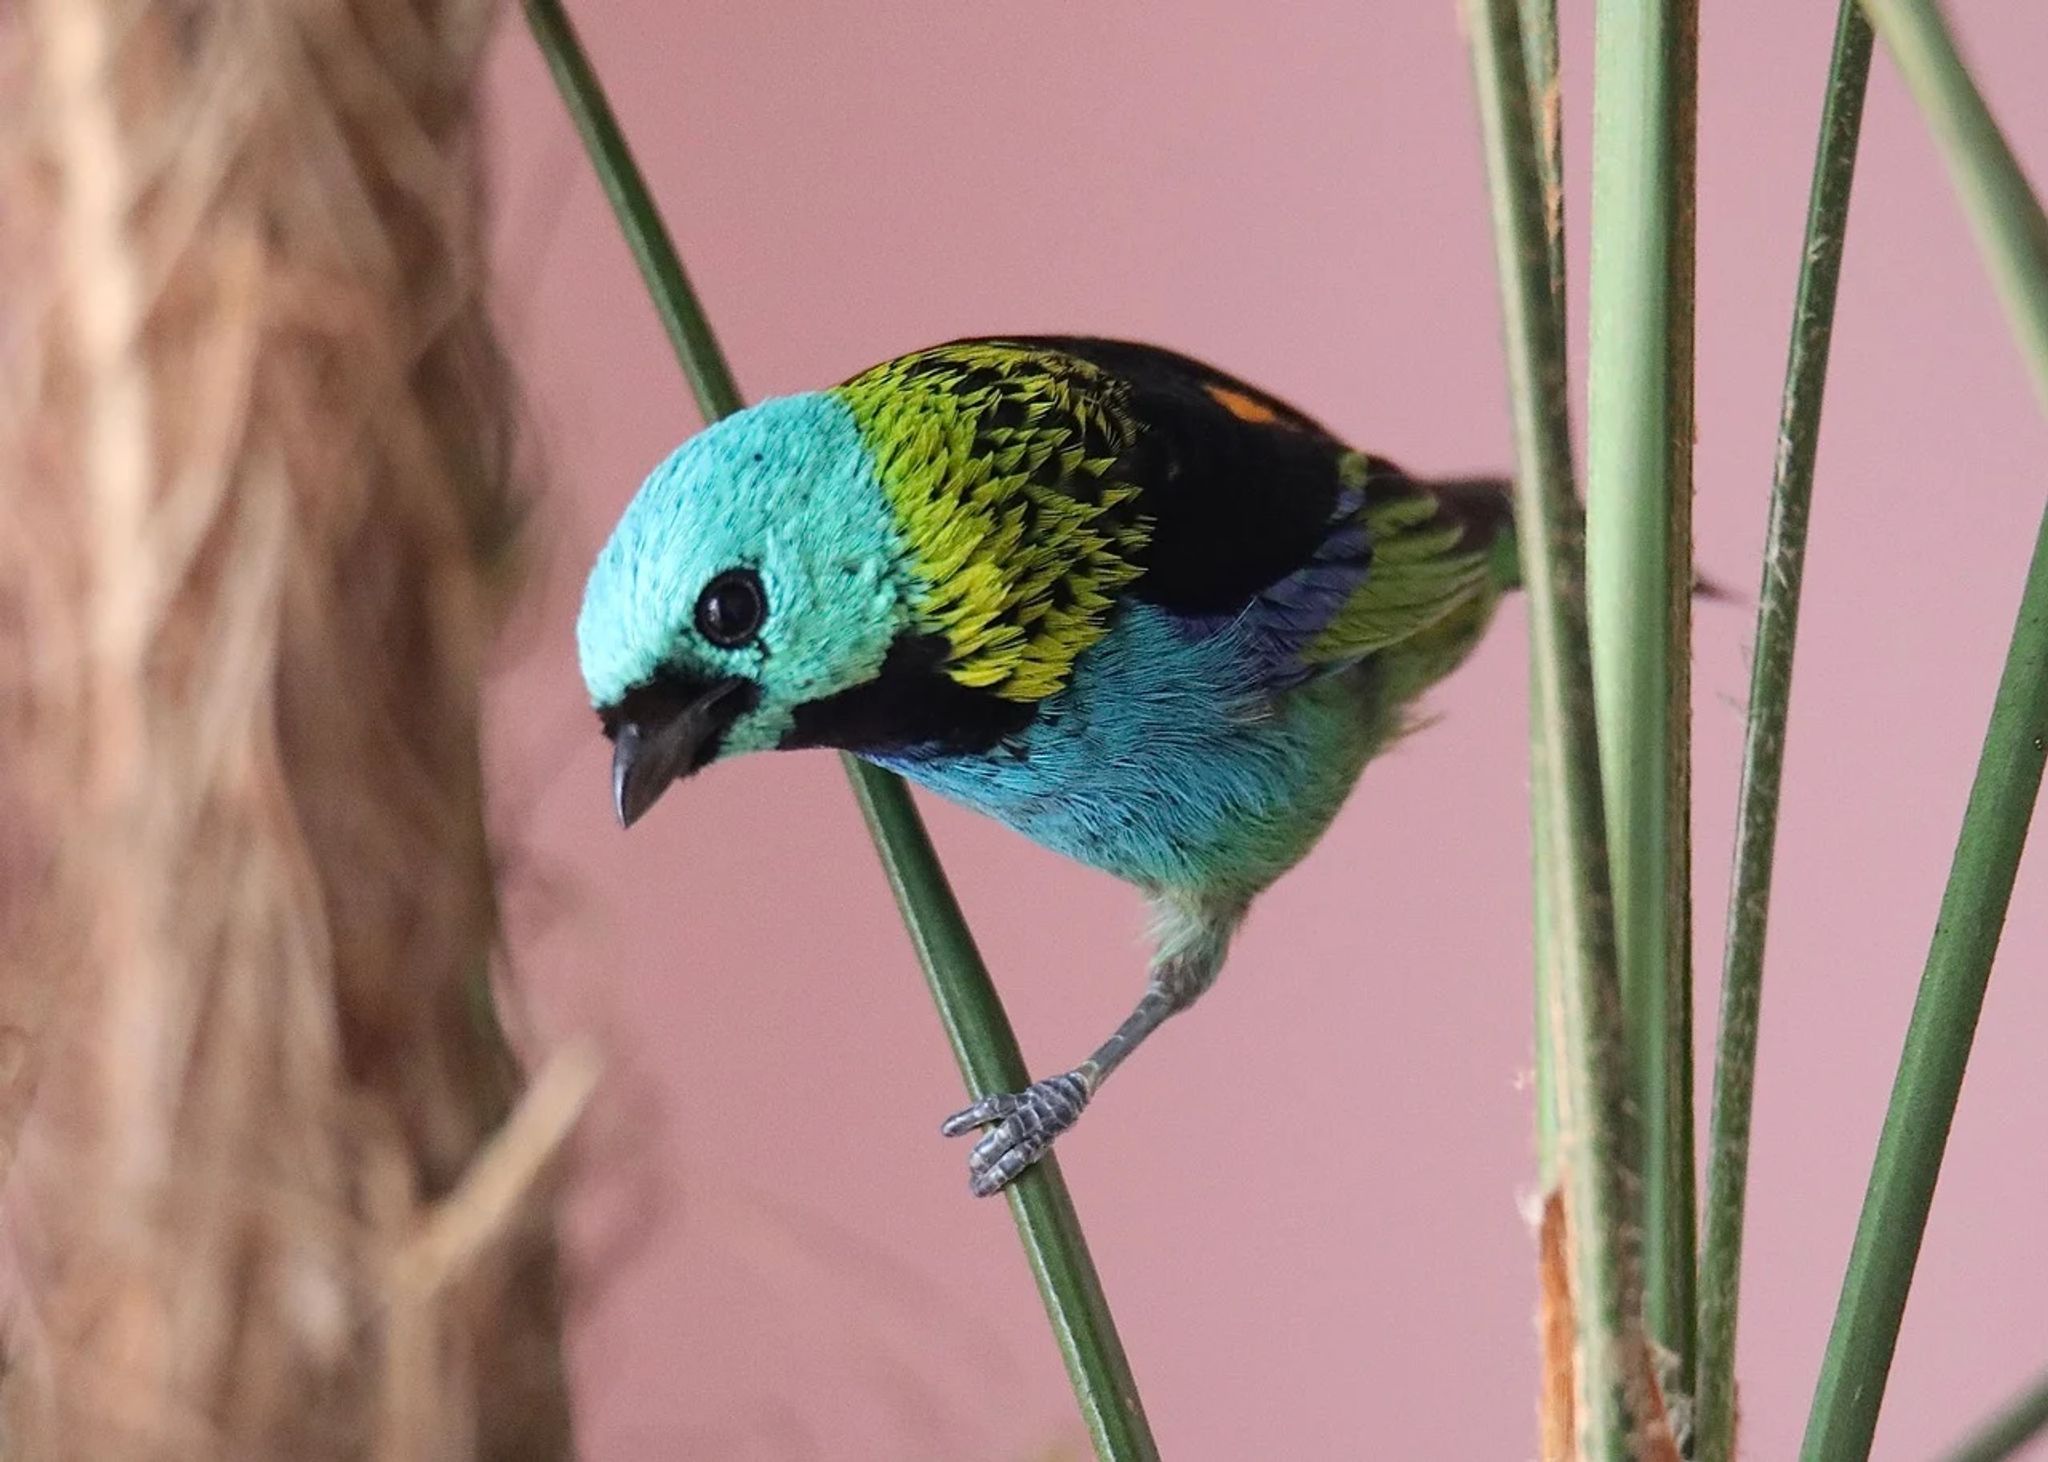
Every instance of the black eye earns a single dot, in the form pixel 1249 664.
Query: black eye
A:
pixel 731 608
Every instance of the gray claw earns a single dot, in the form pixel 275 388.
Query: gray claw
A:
pixel 1021 1127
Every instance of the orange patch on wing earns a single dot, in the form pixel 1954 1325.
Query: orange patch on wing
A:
pixel 1243 407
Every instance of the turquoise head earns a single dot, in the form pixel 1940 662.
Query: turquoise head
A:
pixel 758 572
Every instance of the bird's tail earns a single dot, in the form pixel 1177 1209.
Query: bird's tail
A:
pixel 1485 506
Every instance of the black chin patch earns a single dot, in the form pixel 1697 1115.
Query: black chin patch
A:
pixel 910 704
pixel 669 694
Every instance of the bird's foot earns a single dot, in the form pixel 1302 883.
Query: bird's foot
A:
pixel 1022 1125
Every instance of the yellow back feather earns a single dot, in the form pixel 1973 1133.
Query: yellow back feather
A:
pixel 1002 465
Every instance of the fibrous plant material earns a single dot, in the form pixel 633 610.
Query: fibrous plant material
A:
pixel 256 537
pixel 1556 1327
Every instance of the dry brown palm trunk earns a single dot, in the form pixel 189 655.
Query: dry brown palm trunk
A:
pixel 255 534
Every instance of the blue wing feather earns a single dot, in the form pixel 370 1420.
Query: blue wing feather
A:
pixel 1277 625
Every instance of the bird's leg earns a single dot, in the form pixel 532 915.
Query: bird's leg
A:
pixel 1193 935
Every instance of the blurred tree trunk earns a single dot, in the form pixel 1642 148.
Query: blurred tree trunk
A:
pixel 255 535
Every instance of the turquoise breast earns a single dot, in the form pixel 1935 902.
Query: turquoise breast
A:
pixel 1164 764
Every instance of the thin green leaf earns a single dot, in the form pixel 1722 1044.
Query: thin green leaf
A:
pixel 1546 111
pixel 990 1060
pixel 2023 1419
pixel 1763 760
pixel 625 188
pixel 2013 234
pixel 2002 209
pixel 1593 1117
pixel 1937 1047
pixel 1639 582
pixel 979 1031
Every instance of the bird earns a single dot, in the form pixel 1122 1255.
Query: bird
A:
pixel 1137 609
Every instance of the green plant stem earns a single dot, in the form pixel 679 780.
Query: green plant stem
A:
pixel 1593 1133
pixel 1930 1076
pixel 1550 959
pixel 625 188
pixel 1546 110
pixel 2023 1418
pixel 2013 235
pixel 972 1013
pixel 1763 759
pixel 2003 210
pixel 990 1061
pixel 1639 579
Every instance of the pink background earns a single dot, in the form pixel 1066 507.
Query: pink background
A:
pixel 1307 1199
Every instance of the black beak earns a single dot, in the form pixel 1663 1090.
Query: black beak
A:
pixel 663 732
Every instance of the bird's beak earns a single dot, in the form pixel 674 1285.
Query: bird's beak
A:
pixel 668 734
